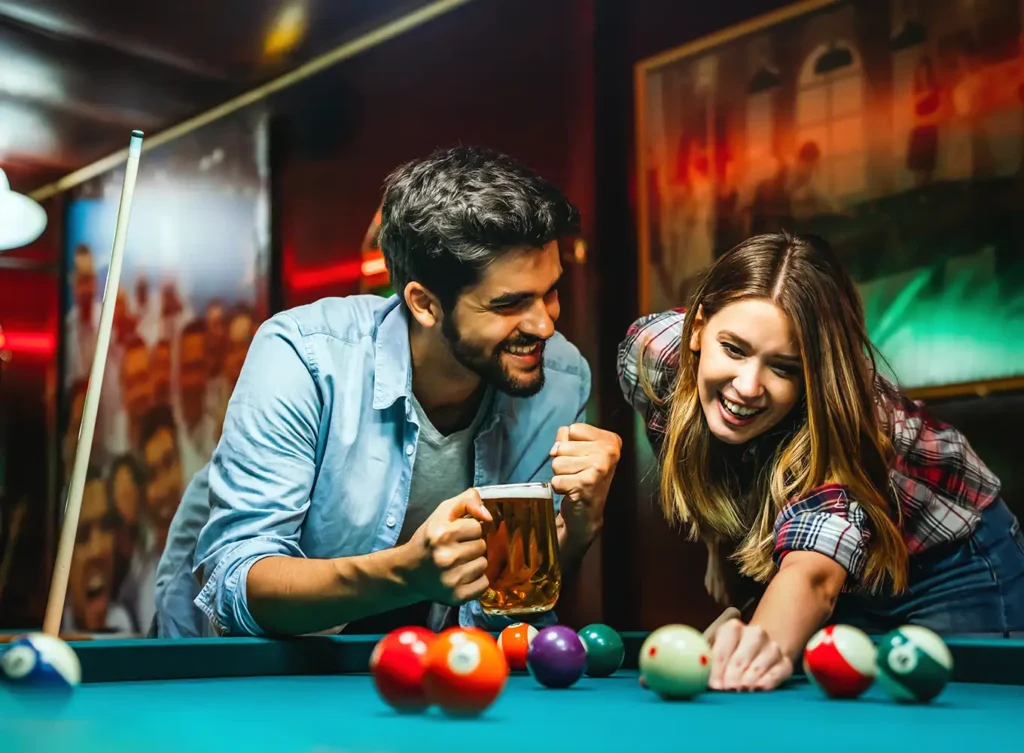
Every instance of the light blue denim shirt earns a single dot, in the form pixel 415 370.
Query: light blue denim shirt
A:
pixel 317 453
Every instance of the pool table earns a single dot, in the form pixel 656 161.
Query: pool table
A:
pixel 314 695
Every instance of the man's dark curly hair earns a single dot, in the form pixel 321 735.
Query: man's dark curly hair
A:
pixel 446 217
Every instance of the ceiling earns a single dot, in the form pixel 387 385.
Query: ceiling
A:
pixel 76 76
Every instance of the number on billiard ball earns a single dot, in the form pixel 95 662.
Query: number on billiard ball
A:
pixel 466 671
pixel 914 664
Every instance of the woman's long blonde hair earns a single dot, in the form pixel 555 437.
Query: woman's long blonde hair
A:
pixel 838 435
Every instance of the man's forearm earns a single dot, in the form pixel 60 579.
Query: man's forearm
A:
pixel 293 596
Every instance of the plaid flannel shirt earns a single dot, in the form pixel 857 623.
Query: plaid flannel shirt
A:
pixel 938 481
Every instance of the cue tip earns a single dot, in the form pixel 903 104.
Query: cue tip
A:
pixel 137 134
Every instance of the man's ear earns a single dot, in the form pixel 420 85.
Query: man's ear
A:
pixel 423 305
pixel 698 329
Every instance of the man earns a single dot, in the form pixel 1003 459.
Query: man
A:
pixel 90 607
pixel 160 372
pixel 161 462
pixel 198 437
pixel 84 315
pixel 342 491
pixel 239 334
pixel 136 394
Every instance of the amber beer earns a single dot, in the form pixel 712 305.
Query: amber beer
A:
pixel 523 568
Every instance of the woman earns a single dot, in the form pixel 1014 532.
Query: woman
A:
pixel 779 439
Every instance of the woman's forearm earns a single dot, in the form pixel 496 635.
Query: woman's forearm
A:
pixel 799 600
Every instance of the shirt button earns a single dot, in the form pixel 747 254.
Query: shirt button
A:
pixel 409 449
pixel 391 521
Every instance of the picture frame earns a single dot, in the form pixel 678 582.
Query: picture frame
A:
pixel 893 130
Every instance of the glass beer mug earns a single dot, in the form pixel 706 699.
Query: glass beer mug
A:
pixel 523 567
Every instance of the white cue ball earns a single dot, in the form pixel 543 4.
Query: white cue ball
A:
pixel 675 662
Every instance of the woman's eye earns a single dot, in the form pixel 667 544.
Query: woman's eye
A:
pixel 732 350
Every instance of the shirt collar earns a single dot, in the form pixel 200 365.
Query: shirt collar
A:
pixel 392 361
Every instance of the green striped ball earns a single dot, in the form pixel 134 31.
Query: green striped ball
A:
pixel 914 664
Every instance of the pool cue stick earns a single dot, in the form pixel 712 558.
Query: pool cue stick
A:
pixel 732 613
pixel 73 505
pixel 12 543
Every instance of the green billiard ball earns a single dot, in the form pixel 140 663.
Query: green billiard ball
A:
pixel 605 651
pixel 914 664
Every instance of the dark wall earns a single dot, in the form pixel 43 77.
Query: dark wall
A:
pixel 492 73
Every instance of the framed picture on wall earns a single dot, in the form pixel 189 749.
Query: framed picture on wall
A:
pixel 894 129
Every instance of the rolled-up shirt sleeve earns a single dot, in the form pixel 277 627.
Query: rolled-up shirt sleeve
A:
pixel 827 521
pixel 261 473
pixel 650 354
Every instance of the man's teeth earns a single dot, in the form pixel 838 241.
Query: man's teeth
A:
pixel 95 585
pixel 522 350
pixel 738 410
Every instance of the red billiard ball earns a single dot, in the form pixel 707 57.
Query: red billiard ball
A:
pixel 515 641
pixel 398 664
pixel 466 671
pixel 840 659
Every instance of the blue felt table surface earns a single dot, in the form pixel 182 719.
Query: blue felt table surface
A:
pixel 343 714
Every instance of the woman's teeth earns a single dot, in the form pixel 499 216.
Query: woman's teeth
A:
pixel 738 410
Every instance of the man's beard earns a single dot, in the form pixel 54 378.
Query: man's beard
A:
pixel 489 368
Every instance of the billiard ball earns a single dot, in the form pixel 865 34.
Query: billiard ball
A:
pixel 41 660
pixel 398 663
pixel 605 651
pixel 675 662
pixel 914 664
pixel 466 671
pixel 840 659
pixel 557 657
pixel 515 641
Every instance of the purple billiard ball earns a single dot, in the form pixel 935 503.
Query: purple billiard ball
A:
pixel 557 657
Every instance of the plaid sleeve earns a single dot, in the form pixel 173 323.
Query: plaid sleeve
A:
pixel 652 343
pixel 827 521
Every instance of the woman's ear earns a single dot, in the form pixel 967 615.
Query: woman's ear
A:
pixel 698 328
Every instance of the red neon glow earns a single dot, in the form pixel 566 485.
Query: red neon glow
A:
pixel 348 271
pixel 374 266
pixel 37 343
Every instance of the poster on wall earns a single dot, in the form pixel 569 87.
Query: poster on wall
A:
pixel 894 129
pixel 193 290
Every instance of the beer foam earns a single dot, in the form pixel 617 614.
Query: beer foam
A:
pixel 515 491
